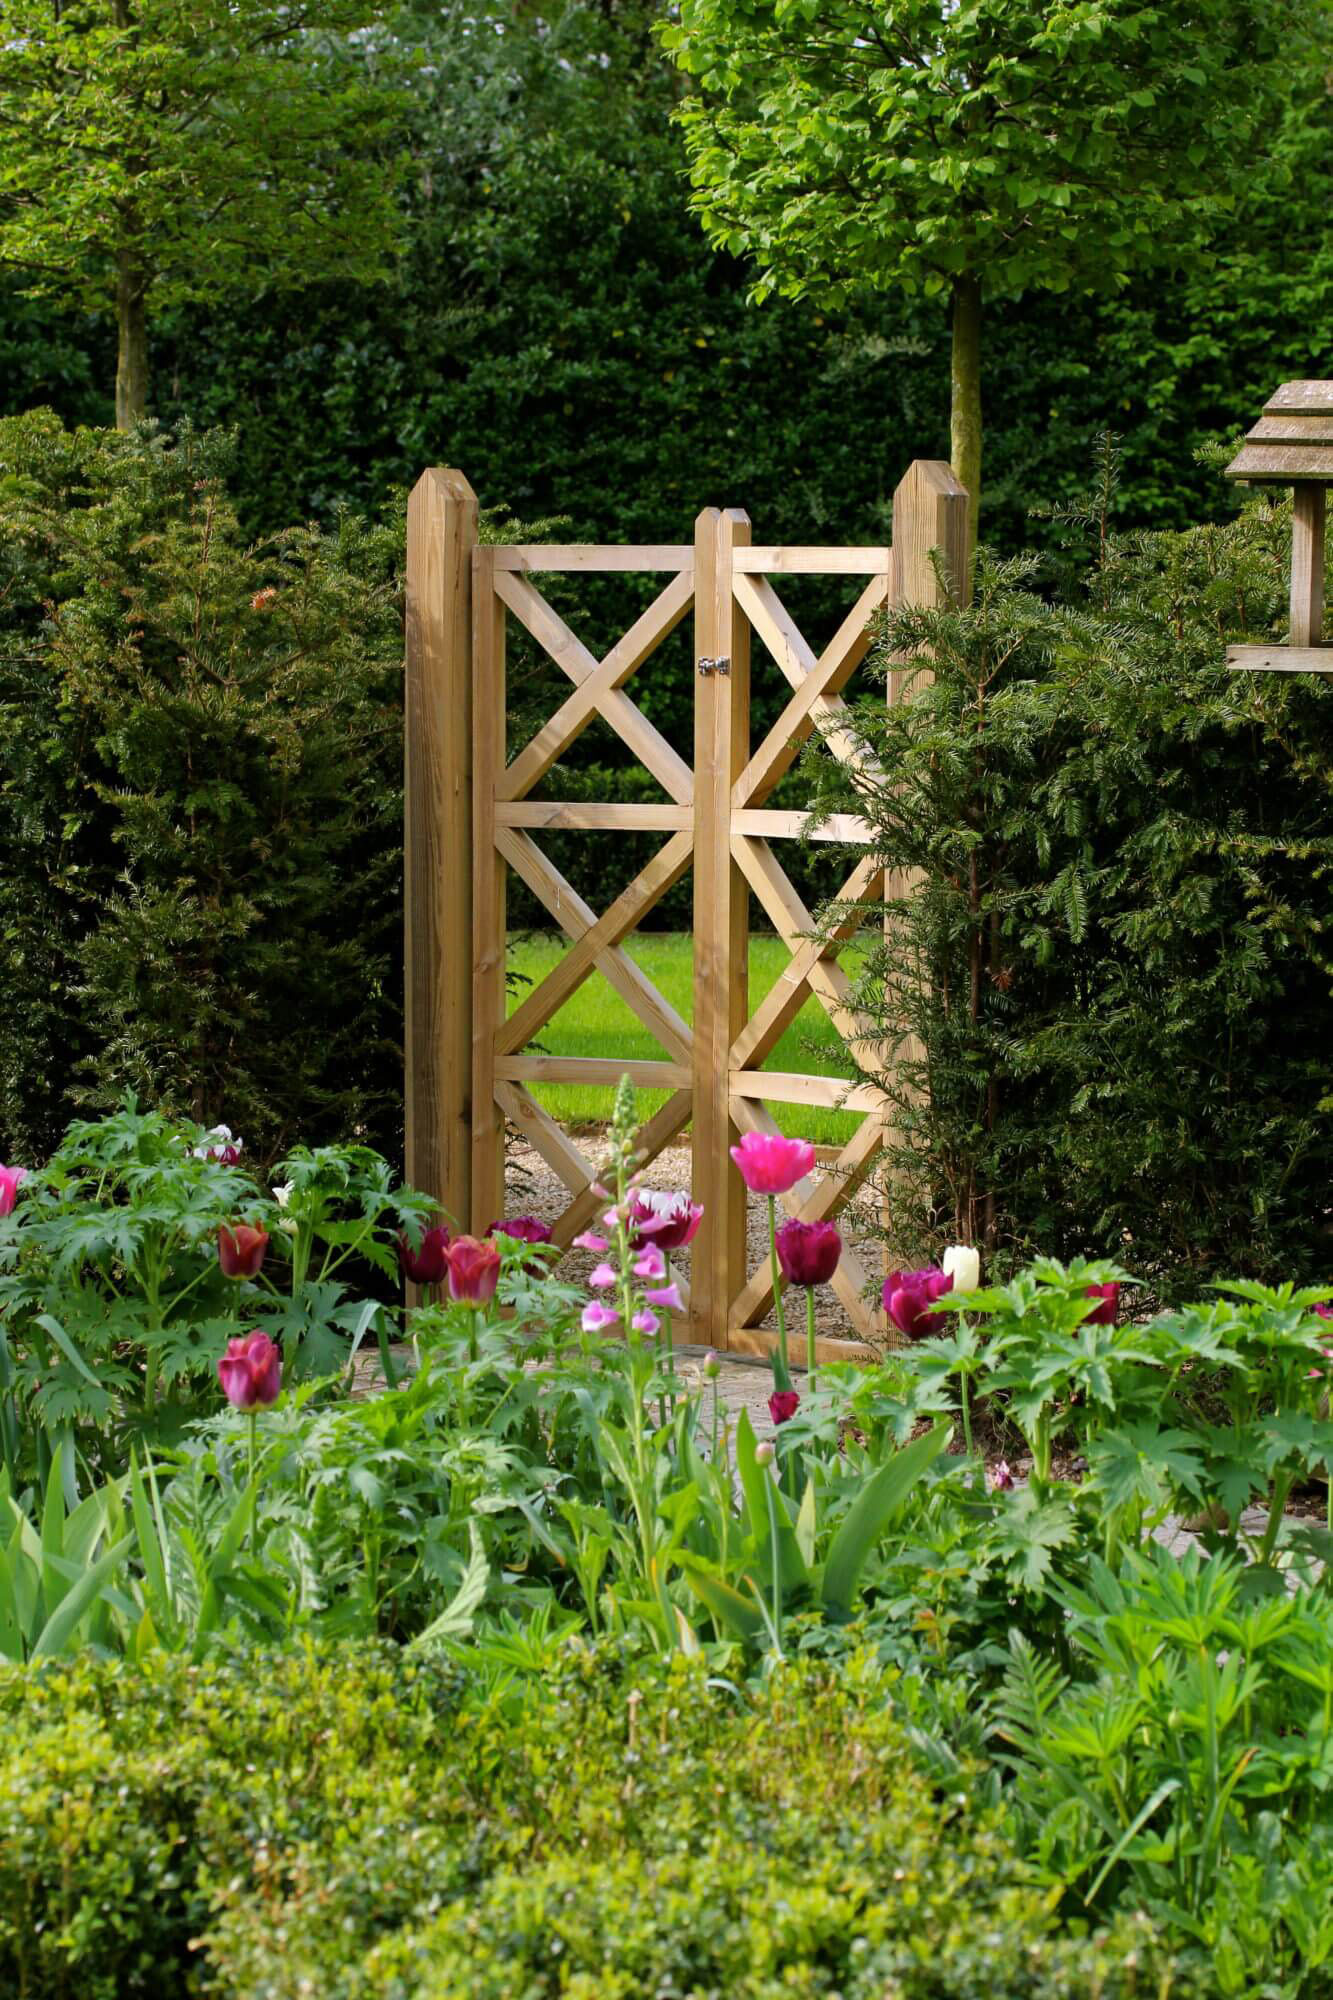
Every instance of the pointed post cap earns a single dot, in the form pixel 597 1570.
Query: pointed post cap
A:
pixel 1293 439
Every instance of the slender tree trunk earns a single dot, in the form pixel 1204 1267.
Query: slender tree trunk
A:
pixel 965 406
pixel 132 351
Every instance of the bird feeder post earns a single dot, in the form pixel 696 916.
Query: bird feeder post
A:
pixel 1292 445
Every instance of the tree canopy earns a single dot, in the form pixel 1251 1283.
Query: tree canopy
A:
pixel 159 151
pixel 994 146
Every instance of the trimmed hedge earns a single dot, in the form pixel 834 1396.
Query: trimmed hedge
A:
pixel 359 1825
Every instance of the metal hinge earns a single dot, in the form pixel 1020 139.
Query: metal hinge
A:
pixel 722 666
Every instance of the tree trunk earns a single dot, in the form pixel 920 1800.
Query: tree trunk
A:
pixel 965 406
pixel 132 352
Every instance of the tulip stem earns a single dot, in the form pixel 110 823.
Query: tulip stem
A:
pixel 809 1338
pixel 781 1366
pixel 252 1426
pixel 777 1568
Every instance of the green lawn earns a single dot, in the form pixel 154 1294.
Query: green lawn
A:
pixel 596 1022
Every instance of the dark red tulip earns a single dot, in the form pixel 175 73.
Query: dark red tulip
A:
pixel 908 1297
pixel 473 1270
pixel 1103 1313
pixel 251 1371
pixel 241 1248
pixel 783 1403
pixel 427 1265
pixel 808 1252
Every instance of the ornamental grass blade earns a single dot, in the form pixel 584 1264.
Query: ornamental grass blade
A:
pixel 871 1511
pixel 728 1607
pixel 59 1627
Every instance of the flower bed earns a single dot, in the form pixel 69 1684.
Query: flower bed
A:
pixel 658 1705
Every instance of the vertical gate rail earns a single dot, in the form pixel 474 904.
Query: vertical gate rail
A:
pixel 470 819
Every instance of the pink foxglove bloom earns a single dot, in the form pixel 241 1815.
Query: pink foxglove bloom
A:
pixel 250 1371
pixel 241 1250
pixel 770 1164
pixel 645 1322
pixel 473 1270
pixel 808 1252
pixel 668 1297
pixel 604 1276
pixel 908 1297
pixel 652 1264
pixel 1103 1313
pixel 782 1404
pixel 590 1240
pixel 597 1317
pixel 669 1221
pixel 11 1180
pixel 425 1265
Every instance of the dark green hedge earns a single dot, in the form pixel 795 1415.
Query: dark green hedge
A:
pixel 348 1824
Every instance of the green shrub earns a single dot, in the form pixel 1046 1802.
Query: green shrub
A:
pixel 358 1824
pixel 1123 850
pixel 200 797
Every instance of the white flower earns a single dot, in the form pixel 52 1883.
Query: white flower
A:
pixel 963 1264
pixel 282 1195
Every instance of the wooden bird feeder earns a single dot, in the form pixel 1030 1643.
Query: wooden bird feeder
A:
pixel 1292 445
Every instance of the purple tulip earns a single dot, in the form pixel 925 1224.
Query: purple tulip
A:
pixel 250 1371
pixel 426 1265
pixel 908 1297
pixel 782 1404
pixel 523 1228
pixel 808 1252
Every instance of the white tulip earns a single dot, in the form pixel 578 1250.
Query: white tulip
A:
pixel 963 1264
pixel 282 1195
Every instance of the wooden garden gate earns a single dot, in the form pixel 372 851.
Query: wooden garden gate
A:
pixel 470 820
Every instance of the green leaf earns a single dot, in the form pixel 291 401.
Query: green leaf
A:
pixel 727 1605
pixel 58 1628
pixel 459 1615
pixel 875 1505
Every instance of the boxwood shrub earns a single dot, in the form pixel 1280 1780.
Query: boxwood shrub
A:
pixel 351 1823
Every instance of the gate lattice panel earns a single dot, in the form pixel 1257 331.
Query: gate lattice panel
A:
pixel 470 1065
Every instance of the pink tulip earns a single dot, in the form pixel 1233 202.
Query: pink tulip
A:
pixel 11 1180
pixel 908 1297
pixel 250 1371
pixel 425 1265
pixel 808 1252
pixel 782 1404
pixel 473 1269
pixel 1103 1314
pixel 241 1250
pixel 669 1221
pixel 770 1164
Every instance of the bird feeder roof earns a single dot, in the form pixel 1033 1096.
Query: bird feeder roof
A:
pixel 1293 439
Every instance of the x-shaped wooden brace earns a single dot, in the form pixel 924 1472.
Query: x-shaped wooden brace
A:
pixel 595 941
pixel 816 703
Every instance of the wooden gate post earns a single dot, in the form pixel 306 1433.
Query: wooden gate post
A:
pixel 721 918
pixel 437 839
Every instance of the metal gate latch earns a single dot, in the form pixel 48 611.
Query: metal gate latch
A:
pixel 722 666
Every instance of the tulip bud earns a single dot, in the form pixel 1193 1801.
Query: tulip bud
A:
pixel 763 1453
pixel 963 1264
pixel 712 1365
pixel 241 1250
